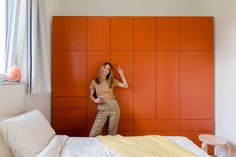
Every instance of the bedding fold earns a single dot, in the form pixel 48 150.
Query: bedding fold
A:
pixel 55 147
pixel 140 146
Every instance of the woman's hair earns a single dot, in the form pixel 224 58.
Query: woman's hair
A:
pixel 109 77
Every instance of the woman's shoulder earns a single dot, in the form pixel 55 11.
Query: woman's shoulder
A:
pixel 93 84
pixel 94 81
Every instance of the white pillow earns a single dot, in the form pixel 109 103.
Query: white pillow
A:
pixel 4 150
pixel 27 134
pixel 2 118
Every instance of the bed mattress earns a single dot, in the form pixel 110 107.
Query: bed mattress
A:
pixel 64 146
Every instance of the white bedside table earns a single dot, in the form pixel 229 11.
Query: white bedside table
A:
pixel 208 139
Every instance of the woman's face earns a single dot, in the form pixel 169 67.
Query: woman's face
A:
pixel 106 69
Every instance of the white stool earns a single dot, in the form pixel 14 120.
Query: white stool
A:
pixel 208 139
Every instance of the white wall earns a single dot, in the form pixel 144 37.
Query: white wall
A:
pixel 225 65
pixel 224 12
pixel 42 102
pixel 14 100
pixel 124 7
pixel 12 97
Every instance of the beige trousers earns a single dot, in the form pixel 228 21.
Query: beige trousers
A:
pixel 108 110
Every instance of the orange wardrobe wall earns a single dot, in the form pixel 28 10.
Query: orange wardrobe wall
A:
pixel 168 62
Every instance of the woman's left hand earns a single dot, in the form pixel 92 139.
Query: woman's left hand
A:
pixel 124 83
pixel 120 71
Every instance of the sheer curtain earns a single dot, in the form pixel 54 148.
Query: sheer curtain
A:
pixel 2 35
pixel 27 40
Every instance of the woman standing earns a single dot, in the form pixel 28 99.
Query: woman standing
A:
pixel 101 92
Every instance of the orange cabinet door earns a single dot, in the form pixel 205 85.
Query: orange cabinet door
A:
pixel 69 90
pixel 68 114
pixel 125 127
pixel 156 125
pixel 69 67
pixel 68 102
pixel 196 125
pixel 69 33
pixel 98 33
pixel 196 33
pixel 124 96
pixel 196 85
pixel 69 126
pixel 167 33
pixel 122 33
pixel 144 85
pixel 168 85
pixel 145 33
pixel 95 60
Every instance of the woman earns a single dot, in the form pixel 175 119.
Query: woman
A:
pixel 107 106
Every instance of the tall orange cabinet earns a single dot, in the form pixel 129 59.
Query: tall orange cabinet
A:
pixel 168 62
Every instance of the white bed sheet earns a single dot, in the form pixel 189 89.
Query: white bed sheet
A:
pixel 86 147
pixel 188 144
pixel 64 146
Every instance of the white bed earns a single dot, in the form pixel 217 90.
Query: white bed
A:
pixel 30 135
pixel 92 147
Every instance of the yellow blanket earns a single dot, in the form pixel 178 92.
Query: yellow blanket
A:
pixel 145 146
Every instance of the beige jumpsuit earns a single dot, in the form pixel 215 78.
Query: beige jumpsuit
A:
pixel 107 110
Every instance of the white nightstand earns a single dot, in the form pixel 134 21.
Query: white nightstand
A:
pixel 208 139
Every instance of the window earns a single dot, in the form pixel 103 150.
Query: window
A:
pixel 2 34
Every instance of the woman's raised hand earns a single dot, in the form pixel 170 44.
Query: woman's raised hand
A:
pixel 120 71
pixel 124 83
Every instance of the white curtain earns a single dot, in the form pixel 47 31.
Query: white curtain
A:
pixel 27 42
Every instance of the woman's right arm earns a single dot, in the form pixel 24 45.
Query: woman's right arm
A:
pixel 96 100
